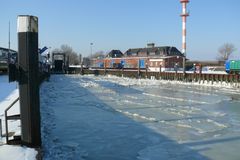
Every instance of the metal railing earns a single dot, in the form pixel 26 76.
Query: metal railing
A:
pixel 1 127
pixel 6 118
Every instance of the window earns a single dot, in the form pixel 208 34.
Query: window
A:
pixel 152 54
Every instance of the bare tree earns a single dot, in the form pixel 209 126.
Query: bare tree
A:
pixel 72 55
pixel 86 61
pixel 225 51
pixel 66 49
pixel 80 58
pixel 98 54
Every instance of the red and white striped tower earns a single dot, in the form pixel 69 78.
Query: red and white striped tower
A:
pixel 184 16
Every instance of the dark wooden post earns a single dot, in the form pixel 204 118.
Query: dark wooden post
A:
pixel 146 71
pixel 105 70
pixel 138 68
pixel 29 80
pixel 200 73
pixel 122 70
pixel 81 71
pixel 160 71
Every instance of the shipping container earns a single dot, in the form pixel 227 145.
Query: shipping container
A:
pixel 232 66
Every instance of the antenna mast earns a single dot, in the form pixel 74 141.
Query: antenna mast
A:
pixel 184 16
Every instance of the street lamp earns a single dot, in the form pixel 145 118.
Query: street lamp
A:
pixel 91 45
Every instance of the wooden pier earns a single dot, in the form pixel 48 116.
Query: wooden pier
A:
pixel 187 77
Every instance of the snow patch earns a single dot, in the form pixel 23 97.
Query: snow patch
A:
pixel 137 115
pixel 7 151
pixel 17 153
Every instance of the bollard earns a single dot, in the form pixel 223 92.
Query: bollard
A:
pixel 122 71
pixel 28 80
pixel 138 73
pixel 146 71
pixel 81 71
pixel 160 72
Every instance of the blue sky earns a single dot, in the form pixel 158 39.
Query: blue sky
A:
pixel 123 24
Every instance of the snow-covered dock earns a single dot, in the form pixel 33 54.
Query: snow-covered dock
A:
pixel 8 93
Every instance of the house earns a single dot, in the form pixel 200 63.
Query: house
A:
pixel 152 51
pixel 152 58
pixel 166 57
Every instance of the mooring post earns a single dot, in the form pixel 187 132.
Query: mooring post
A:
pixel 29 80
pixel 123 71
pixel 105 69
pixel 81 71
pixel 160 71
pixel 146 71
pixel 138 68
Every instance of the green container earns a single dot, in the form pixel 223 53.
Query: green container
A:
pixel 235 65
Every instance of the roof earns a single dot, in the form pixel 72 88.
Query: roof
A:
pixel 115 54
pixel 160 51
pixel 4 53
pixel 6 49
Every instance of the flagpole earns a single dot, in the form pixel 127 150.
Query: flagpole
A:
pixel 9 44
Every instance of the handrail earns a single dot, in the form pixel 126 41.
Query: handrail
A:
pixel 1 127
pixel 6 120
pixel 10 106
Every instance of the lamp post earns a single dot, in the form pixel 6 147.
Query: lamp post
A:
pixel 91 45
pixel 9 36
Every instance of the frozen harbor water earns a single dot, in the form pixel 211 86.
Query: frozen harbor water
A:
pixel 111 118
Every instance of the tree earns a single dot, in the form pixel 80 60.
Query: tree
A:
pixel 225 51
pixel 86 61
pixel 72 55
pixel 99 54
pixel 80 58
